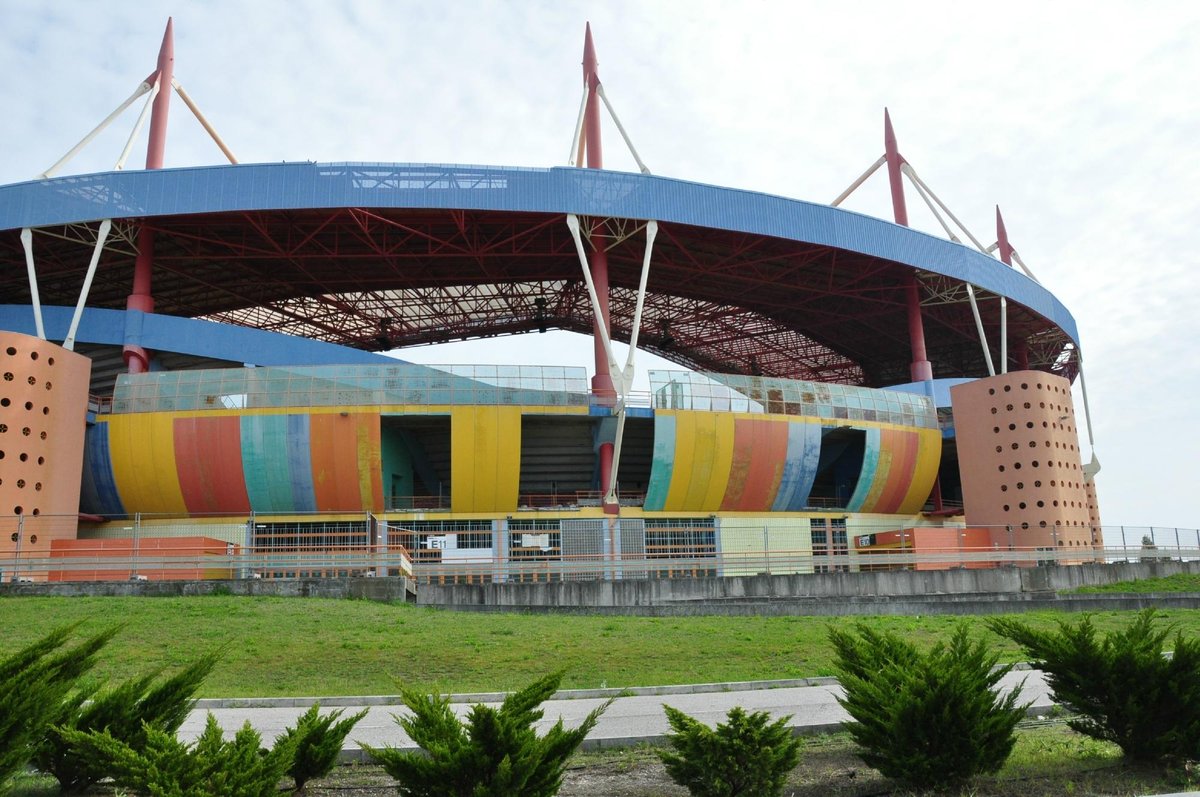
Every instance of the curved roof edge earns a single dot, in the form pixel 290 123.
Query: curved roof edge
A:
pixel 591 192
pixel 189 336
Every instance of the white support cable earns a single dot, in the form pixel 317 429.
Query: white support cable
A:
pixel 1093 466
pixel 141 89
pixel 854 185
pixel 27 245
pixel 208 128
pixel 1003 334
pixel 912 174
pixel 993 247
pixel 621 129
pixel 929 204
pixel 101 235
pixel 1017 259
pixel 137 127
pixel 576 140
pixel 614 370
pixel 987 354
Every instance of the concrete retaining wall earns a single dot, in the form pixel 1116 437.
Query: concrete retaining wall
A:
pixel 874 588
pixel 375 589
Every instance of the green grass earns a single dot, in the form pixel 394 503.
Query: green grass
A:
pixel 312 647
pixel 1180 582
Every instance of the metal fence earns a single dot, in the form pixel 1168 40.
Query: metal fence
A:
pixel 528 548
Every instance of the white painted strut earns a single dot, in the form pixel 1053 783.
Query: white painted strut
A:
pixel 137 127
pixel 854 185
pixel 187 100
pixel 987 354
pixel 27 245
pixel 101 236
pixel 614 370
pixel 912 174
pixel 622 378
pixel 621 129
pixel 141 89
pixel 576 140
pixel 1092 467
pixel 626 384
pixel 1003 334
pixel 932 209
pixel 1017 259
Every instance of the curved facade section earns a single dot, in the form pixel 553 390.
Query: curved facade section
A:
pixel 708 461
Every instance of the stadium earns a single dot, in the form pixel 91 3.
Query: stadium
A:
pixel 217 396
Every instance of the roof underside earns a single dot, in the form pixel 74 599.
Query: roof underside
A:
pixel 381 279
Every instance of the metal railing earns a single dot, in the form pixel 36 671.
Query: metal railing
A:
pixel 535 549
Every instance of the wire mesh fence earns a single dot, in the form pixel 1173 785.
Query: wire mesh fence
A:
pixel 535 549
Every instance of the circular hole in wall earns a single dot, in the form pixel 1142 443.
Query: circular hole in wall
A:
pixel 32 380
pixel 33 355
pixel 28 405
pixel 11 351
pixel 49 361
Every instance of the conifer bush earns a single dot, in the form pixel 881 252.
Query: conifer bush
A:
pixel 1124 688
pixel 747 756
pixel 494 753
pixel 317 742
pixel 925 719
pixel 124 711
pixel 34 682
pixel 212 767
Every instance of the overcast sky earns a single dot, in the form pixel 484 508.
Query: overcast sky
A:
pixel 1080 119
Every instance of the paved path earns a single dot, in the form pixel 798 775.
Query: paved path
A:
pixel 630 720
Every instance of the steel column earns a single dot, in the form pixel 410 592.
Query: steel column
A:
pixel 141 298
pixel 920 370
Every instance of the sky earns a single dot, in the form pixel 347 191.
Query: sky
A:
pixel 1079 119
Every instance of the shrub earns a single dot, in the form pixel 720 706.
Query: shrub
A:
pixel 496 753
pixel 212 767
pixel 34 681
pixel 747 756
pixel 1123 687
pixel 124 711
pixel 317 741
pixel 925 719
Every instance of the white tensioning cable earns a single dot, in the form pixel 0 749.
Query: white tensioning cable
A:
pixel 187 100
pixel 137 127
pixel 141 89
pixel 576 154
pixel 854 185
pixel 621 129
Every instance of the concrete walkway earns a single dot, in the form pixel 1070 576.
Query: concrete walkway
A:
pixel 631 719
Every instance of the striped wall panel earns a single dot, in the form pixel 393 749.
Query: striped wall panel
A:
pixel 662 462
pixel 98 490
pixel 267 466
pixel 208 456
pixel 143 463
pixel 485 458
pixel 759 457
pixel 799 468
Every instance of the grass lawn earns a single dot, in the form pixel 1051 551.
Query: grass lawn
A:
pixel 1180 582
pixel 315 647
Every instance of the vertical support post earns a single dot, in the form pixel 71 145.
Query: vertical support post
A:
pixel 1005 250
pixel 920 370
pixel 137 533
pixel 602 385
pixel 141 299
pixel 17 553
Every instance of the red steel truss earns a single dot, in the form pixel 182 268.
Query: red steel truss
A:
pixel 381 279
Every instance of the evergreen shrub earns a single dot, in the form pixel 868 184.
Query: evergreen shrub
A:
pixel 747 756
pixel 317 741
pixel 1125 688
pixel 494 753
pixel 925 719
